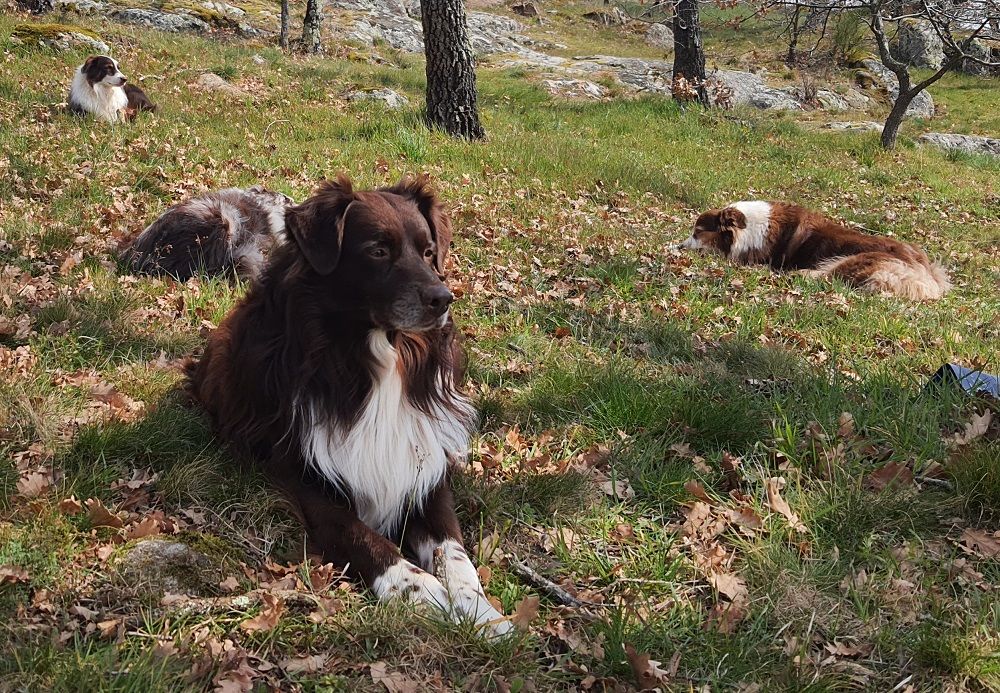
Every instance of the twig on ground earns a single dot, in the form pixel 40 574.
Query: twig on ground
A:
pixel 533 577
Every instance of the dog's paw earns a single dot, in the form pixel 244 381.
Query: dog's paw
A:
pixel 403 580
pixel 475 607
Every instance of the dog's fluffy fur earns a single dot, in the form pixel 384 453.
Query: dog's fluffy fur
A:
pixel 229 230
pixel 100 89
pixel 789 237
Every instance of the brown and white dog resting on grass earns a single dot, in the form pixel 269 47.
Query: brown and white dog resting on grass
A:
pixel 338 375
pixel 100 89
pixel 789 237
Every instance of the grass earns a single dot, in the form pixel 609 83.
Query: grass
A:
pixel 597 354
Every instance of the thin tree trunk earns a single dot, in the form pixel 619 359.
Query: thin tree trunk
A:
pixel 283 36
pixel 311 26
pixel 793 39
pixel 890 131
pixel 689 55
pixel 451 75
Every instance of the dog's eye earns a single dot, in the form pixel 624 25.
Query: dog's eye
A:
pixel 379 252
pixel 428 253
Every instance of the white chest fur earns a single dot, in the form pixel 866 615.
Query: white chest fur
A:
pixel 395 454
pixel 105 101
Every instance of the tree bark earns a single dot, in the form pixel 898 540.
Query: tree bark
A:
pixel 689 55
pixel 283 36
pixel 794 30
pixel 311 25
pixel 451 75
pixel 37 6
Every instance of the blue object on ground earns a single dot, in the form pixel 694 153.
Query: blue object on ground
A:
pixel 973 382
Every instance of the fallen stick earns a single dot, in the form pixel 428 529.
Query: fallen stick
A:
pixel 533 577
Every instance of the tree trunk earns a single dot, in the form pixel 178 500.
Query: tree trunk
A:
pixel 37 6
pixel 283 36
pixel 895 119
pixel 793 37
pixel 311 25
pixel 451 75
pixel 689 55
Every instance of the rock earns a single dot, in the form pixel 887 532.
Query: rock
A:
pixel 922 106
pixel 610 17
pixel 58 37
pixel 660 36
pixel 85 7
pixel 525 9
pixel 164 21
pixel 258 59
pixel 917 44
pixel 970 144
pixel 854 126
pixel 979 49
pixel 224 9
pixel 209 81
pixel 750 89
pixel 390 98
pixel 158 566
pixel 575 88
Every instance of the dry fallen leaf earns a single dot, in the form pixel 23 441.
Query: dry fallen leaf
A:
pixel 304 665
pixel 745 516
pixel 34 484
pixel 981 543
pixel 647 672
pixel 70 506
pixel 12 574
pixel 394 682
pixel 845 425
pixel 109 629
pixel 525 612
pixel 731 586
pixel 618 487
pixel 145 528
pixel 269 614
pixel 229 584
pixel 891 474
pixel 100 516
pixel 778 504
pixel 976 428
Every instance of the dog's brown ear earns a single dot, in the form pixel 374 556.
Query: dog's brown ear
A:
pixel 731 219
pixel 418 189
pixel 317 225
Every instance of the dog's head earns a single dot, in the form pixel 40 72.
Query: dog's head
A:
pixel 382 251
pixel 100 69
pixel 716 229
pixel 270 198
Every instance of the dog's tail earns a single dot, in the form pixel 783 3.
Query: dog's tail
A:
pixel 915 279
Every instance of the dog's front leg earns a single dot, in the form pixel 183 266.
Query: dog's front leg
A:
pixel 434 538
pixel 347 542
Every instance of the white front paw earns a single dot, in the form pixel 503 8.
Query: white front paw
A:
pixel 407 581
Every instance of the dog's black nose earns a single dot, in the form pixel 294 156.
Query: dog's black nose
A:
pixel 437 299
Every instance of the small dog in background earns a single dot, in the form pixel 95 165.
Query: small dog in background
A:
pixel 100 89
pixel 789 237
pixel 226 231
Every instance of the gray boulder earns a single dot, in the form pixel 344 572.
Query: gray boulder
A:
pixel 970 144
pixel 917 44
pixel 86 7
pixel 982 51
pixel 747 88
pixel 390 98
pixel 164 21
pixel 57 37
pixel 609 17
pixel 660 36
pixel 575 88
pixel 922 106
pixel 157 566
pixel 854 126
pixel 209 81
pixel 525 9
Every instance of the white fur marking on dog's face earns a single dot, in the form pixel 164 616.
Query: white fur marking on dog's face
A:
pixel 755 235
pixel 116 78
pixel 692 243
pixel 395 454
pixel 465 592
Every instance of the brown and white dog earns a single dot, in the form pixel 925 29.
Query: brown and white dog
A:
pixel 221 232
pixel 100 89
pixel 789 237
pixel 338 375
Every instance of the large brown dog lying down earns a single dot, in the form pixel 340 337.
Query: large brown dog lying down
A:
pixel 338 375
pixel 789 237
